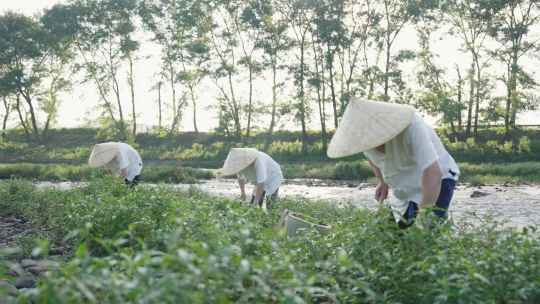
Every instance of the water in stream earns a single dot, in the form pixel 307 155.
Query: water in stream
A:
pixel 517 206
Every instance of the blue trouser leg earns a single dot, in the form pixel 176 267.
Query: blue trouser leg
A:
pixel 441 206
pixel 445 197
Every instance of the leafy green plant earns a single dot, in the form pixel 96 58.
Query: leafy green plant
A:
pixel 158 245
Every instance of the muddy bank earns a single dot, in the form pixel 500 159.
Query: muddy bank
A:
pixel 517 206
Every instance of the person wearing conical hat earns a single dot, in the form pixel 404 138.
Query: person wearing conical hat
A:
pixel 119 159
pixel 405 153
pixel 258 168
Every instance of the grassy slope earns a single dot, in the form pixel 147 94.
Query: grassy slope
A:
pixel 155 245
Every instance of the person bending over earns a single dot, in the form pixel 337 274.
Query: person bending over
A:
pixel 118 159
pixel 258 168
pixel 405 153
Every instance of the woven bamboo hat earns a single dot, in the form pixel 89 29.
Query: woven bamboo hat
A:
pixel 103 153
pixel 368 124
pixel 237 160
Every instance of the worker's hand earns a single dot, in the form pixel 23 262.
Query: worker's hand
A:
pixel 381 192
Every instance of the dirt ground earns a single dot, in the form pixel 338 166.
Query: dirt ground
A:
pixel 515 206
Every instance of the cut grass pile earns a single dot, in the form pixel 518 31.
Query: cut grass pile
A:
pixel 156 245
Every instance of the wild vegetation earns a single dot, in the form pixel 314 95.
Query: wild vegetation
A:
pixel 158 245
pixel 268 65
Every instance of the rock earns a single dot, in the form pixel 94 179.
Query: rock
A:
pixel 37 270
pixel 477 193
pixel 5 286
pixel 25 282
pixel 15 270
pixel 351 185
pixel 26 263
pixel 57 251
pixel 362 186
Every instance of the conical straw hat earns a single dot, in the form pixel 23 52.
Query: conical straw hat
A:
pixel 368 124
pixel 103 153
pixel 237 160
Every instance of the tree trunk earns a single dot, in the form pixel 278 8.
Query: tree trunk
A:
pixel 7 108
pixel 459 98
pixel 302 96
pixel 274 97
pixel 332 88
pixel 132 91
pixel 250 100
pixel 172 75
pixel 471 102
pixel 514 95
pixel 116 90
pixel 454 132
pixel 508 100
pixel 194 103
pixel 160 109
pixel 33 119
pixel 319 71
pixel 21 118
pixel 387 69
pixel 478 97
pixel 236 109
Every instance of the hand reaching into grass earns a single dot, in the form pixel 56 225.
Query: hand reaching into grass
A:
pixel 381 192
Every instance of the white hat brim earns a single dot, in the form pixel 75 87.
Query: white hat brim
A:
pixel 237 160
pixel 368 124
pixel 103 153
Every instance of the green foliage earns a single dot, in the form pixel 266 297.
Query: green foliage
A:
pixel 156 245
pixel 171 174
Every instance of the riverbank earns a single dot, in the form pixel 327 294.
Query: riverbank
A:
pixel 175 172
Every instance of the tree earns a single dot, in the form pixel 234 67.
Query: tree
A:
pixel 511 24
pixel 317 80
pixel 362 21
pixel 224 43
pixel 274 42
pixel 331 34
pixel 469 19
pixel 106 43
pixel 299 15
pixel 181 28
pixel 34 55
pixel 396 14
pixel 248 35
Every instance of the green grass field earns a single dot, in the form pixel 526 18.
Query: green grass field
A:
pixel 475 174
pixel 154 245
pixel 489 159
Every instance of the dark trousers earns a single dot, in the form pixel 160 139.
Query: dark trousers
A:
pixel 269 200
pixel 441 206
pixel 134 182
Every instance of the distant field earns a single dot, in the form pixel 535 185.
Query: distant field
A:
pixel 490 159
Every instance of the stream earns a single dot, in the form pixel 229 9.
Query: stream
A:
pixel 514 206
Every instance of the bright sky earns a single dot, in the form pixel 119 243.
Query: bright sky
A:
pixel 79 106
